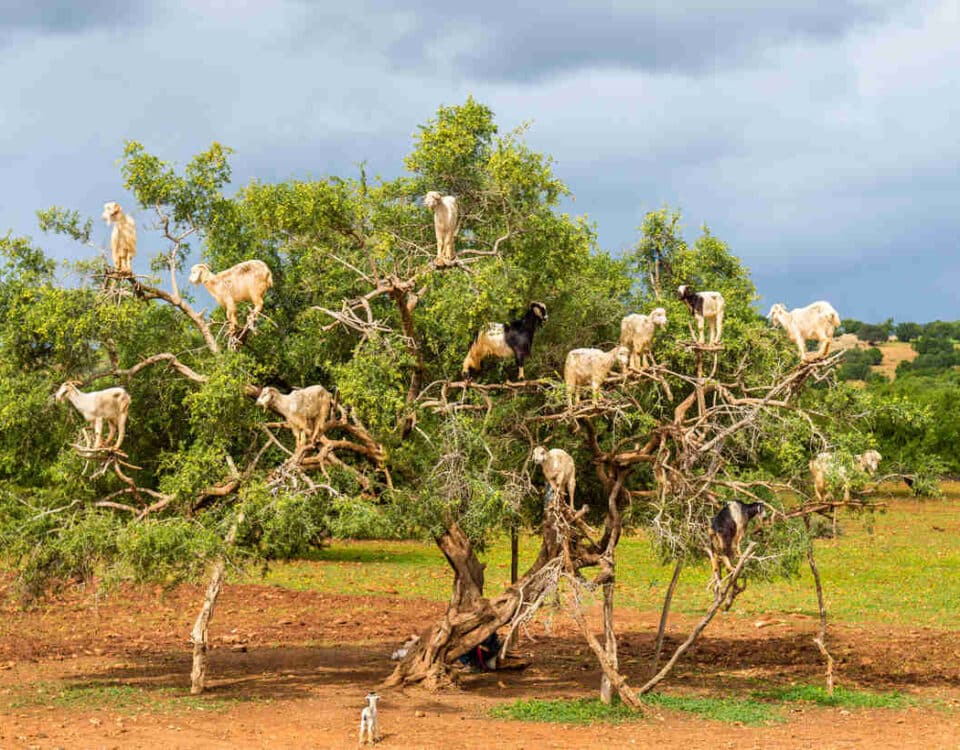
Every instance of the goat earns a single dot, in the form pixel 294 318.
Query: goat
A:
pixel 559 471
pixel 499 340
pixel 445 216
pixel 727 529
pixel 111 404
pixel 815 321
pixel 636 333
pixel 589 367
pixel 369 721
pixel 306 410
pixel 707 306
pixel 123 239
pixel 826 463
pixel 247 281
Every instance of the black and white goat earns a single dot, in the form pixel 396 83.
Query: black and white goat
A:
pixel 705 306
pixel 727 530
pixel 499 340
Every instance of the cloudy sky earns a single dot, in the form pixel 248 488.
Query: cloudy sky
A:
pixel 820 140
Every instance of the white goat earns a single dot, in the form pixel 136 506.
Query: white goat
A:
pixel 815 321
pixel 705 306
pixel 589 367
pixel 825 463
pixel 111 404
pixel 247 281
pixel 636 333
pixel 369 721
pixel 559 471
pixel 123 239
pixel 445 217
pixel 306 410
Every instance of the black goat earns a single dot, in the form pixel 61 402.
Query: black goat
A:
pixel 500 340
pixel 726 532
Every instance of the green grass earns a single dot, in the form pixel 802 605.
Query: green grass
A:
pixel 761 708
pixel 119 698
pixel 592 711
pixel 904 571
pixel 841 698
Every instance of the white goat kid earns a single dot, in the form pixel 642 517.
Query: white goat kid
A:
pixel 123 239
pixel 636 334
pixel 245 282
pixel 445 217
pixel 111 405
pixel 369 721
pixel 559 470
pixel 816 321
pixel 306 410
pixel 589 367
pixel 705 306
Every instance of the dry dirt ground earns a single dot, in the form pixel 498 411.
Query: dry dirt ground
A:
pixel 290 670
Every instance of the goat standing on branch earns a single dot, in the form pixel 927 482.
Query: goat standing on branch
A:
pixel 636 333
pixel 111 405
pixel 815 321
pixel 245 282
pixel 826 463
pixel 123 239
pixel 559 470
pixel 445 218
pixel 705 306
pixel 306 410
pixel 500 340
pixel 589 367
pixel 727 530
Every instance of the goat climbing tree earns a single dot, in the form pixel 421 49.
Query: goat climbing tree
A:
pixel 211 483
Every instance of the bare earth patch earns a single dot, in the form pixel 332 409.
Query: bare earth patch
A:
pixel 290 669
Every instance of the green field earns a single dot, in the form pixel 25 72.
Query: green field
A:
pixel 900 565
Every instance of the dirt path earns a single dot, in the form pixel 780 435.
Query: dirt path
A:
pixel 291 668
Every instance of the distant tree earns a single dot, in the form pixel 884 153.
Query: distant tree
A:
pixel 857 362
pixel 849 325
pixel 872 333
pixel 940 329
pixel 908 331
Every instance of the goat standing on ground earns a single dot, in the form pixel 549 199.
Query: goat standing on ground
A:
pixel 559 470
pixel 445 217
pixel 727 530
pixel 815 321
pixel 589 367
pixel 636 333
pixel 111 405
pixel 705 306
pixel 245 282
pixel 369 721
pixel 306 410
pixel 499 340
pixel 123 239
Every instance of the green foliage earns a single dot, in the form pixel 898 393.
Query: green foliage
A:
pixel 907 331
pixel 857 362
pixel 332 244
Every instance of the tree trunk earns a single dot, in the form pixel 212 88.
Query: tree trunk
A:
pixel 821 640
pixel 609 644
pixel 198 674
pixel 665 613
pixel 514 553
pixel 470 618
pixel 198 636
